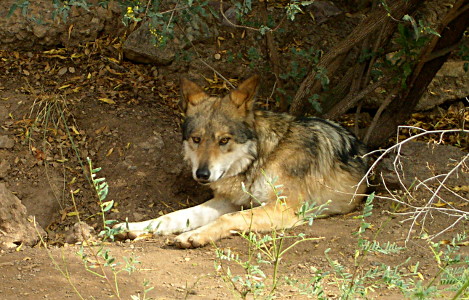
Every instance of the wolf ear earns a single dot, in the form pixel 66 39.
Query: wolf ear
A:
pixel 191 93
pixel 245 93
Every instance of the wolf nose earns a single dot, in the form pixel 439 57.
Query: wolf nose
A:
pixel 203 174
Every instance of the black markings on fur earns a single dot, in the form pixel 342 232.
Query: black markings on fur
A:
pixel 348 146
pixel 241 131
pixel 345 146
pixel 300 167
pixel 311 142
pixel 187 128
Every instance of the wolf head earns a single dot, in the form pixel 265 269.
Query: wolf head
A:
pixel 219 138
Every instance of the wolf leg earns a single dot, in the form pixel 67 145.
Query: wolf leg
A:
pixel 179 221
pixel 264 218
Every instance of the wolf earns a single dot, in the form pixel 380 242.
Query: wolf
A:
pixel 262 167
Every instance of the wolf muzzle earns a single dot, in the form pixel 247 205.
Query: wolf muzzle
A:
pixel 202 174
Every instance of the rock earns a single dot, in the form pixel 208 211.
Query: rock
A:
pixel 420 160
pixel 15 228
pixel 4 168
pixel 6 142
pixel 230 18
pixel 3 114
pixel 323 10
pixel 80 232
pixel 19 32
pixel 43 199
pixel 450 83
pixel 153 143
pixel 139 217
pixel 139 48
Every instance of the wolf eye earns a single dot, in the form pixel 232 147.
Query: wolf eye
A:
pixel 196 139
pixel 224 141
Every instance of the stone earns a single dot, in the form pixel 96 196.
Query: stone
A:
pixel 79 233
pixel 15 227
pixel 6 142
pixel 450 83
pixel 140 47
pixel 38 29
pixel 155 142
pixel 3 114
pixel 4 168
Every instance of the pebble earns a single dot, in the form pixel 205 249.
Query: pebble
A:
pixel 4 168
pixel 6 142
pixel 3 113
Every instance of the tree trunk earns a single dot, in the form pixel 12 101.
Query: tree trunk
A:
pixel 400 109
pixel 308 87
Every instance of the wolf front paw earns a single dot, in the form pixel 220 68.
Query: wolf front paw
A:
pixel 125 233
pixel 191 239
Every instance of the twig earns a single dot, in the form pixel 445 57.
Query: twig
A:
pixel 248 27
pixel 420 214
pixel 381 108
pixel 350 100
pixel 204 62
pixel 216 72
pixel 368 26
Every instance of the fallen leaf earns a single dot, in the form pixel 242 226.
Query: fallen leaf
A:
pixel 144 236
pixel 107 100
pixel 463 188
pixel 64 86
pixel 75 130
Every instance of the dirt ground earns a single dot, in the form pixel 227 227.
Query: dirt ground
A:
pixel 61 106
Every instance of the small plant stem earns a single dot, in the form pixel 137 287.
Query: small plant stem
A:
pixel 75 206
pixel 64 271
pixel 278 257
pixel 96 257
pixel 227 279
pixel 116 284
pixel 74 147
pixel 461 290
pixel 441 269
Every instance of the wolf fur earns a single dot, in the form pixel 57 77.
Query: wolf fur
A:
pixel 239 152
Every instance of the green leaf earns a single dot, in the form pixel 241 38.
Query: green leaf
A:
pixel 12 10
pixel 106 206
pixel 110 222
pixel 414 25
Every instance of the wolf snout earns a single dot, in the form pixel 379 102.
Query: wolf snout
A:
pixel 202 174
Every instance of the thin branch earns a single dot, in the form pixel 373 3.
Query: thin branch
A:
pixel 420 214
pixel 381 108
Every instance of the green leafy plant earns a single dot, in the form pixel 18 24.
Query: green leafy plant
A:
pixel 300 63
pixel 412 37
pixel 253 56
pixel 452 274
pixel 359 282
pixel 265 250
pixel 62 8
pixel 97 261
pixel 451 278
pixel 464 54
pixel 294 7
pixel 102 188
pixel 96 258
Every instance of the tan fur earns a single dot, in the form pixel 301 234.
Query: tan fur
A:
pixel 229 145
